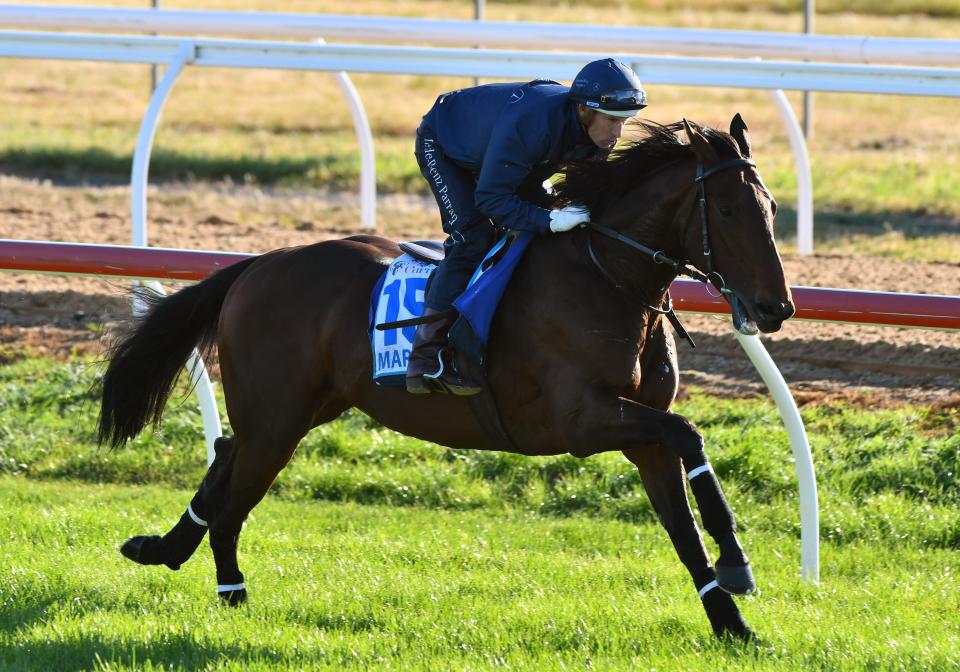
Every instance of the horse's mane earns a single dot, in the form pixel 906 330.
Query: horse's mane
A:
pixel 590 182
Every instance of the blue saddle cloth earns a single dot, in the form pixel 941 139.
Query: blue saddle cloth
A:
pixel 477 304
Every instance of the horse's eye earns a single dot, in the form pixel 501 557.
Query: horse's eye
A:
pixel 726 212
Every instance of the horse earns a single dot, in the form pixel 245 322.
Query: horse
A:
pixel 579 359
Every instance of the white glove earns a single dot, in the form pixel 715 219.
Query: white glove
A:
pixel 568 217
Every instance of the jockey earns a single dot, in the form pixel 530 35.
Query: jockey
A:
pixel 485 151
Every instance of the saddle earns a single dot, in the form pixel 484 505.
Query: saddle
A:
pixel 427 251
pixel 433 252
pixel 468 336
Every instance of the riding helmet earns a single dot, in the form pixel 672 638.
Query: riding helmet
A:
pixel 610 87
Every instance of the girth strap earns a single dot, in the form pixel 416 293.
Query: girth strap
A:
pixel 413 321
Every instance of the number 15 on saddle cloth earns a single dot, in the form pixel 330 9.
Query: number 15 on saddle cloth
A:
pixel 397 296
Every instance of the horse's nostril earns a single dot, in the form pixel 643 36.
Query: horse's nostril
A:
pixel 779 310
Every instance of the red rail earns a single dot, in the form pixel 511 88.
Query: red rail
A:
pixel 929 311
pixel 160 263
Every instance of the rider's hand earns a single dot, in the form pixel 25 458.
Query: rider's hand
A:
pixel 568 217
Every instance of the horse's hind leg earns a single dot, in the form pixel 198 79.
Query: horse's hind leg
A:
pixel 257 459
pixel 663 480
pixel 268 428
pixel 179 544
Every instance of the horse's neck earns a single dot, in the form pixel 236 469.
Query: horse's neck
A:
pixel 658 225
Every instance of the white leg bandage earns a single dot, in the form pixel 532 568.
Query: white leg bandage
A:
pixel 707 588
pixel 230 587
pixel 702 469
pixel 194 517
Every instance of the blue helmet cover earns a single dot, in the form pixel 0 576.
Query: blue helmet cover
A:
pixel 608 84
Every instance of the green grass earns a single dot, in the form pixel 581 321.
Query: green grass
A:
pixel 293 160
pixel 348 586
pixel 48 413
pixel 379 551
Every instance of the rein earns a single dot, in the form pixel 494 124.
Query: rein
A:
pixel 679 267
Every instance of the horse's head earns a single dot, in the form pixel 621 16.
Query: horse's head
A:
pixel 648 196
pixel 729 232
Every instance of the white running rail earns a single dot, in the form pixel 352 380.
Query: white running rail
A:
pixel 463 33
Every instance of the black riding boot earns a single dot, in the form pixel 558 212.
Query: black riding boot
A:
pixel 429 370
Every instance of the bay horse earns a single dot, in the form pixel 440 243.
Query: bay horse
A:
pixel 580 360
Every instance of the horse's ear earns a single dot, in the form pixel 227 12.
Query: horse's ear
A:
pixel 740 133
pixel 700 145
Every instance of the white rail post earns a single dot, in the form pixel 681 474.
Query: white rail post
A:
pixel 801 160
pixel 138 203
pixel 803 461
pixel 368 163
pixel 148 128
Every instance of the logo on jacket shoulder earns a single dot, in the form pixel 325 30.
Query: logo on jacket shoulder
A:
pixel 516 96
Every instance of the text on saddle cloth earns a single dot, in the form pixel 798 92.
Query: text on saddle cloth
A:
pixel 399 295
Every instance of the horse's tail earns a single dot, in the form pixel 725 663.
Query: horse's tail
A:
pixel 146 362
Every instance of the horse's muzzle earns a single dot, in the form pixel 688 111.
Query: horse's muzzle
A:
pixel 771 316
pixel 764 316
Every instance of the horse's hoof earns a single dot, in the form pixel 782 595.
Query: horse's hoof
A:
pixel 147 551
pixel 736 579
pixel 143 550
pixel 233 598
pixel 744 635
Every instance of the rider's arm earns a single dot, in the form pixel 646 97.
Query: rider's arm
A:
pixel 511 156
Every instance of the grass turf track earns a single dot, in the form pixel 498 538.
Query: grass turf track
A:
pixel 378 551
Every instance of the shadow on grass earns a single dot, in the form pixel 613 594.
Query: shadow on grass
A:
pixel 17 615
pixel 173 651
pixel 831 224
pixel 96 165
pixel 100 646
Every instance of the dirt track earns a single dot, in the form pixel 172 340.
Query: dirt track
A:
pixel 870 365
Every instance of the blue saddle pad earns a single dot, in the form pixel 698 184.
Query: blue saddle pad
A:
pixel 399 293
pixel 478 302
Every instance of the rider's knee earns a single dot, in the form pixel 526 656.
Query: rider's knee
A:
pixel 476 236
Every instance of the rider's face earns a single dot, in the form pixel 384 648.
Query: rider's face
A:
pixel 603 129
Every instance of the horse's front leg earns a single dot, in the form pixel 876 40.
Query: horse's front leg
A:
pixel 662 477
pixel 622 424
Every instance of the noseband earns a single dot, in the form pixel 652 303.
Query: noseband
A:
pixel 681 267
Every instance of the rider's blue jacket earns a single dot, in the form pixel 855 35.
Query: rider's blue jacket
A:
pixel 512 137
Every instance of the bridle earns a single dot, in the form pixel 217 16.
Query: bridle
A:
pixel 679 267
pixel 682 267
